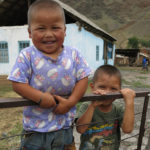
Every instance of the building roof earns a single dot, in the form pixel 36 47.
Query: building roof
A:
pixel 127 52
pixel 143 54
pixel 14 12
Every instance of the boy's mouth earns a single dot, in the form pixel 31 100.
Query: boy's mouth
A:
pixel 48 42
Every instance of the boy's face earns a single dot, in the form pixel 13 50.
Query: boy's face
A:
pixel 106 84
pixel 47 30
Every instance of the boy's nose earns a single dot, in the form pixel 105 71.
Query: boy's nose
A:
pixel 48 33
pixel 107 90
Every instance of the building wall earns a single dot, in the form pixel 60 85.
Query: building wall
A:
pixel 12 35
pixel 86 42
pixel 83 40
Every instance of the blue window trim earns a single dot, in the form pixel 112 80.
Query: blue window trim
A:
pixel 109 50
pixel 4 55
pixel 97 52
pixel 23 44
pixel 106 53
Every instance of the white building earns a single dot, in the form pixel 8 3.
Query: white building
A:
pixel 96 45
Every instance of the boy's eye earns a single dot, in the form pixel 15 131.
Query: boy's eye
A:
pixel 114 89
pixel 55 28
pixel 101 87
pixel 40 28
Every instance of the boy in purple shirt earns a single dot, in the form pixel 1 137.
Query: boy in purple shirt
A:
pixel 45 72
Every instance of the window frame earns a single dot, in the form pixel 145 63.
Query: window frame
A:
pixel 4 54
pixel 97 53
pixel 110 53
pixel 21 43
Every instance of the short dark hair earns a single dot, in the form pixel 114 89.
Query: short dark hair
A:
pixel 50 4
pixel 108 69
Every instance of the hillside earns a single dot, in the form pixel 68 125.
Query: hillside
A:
pixel 122 19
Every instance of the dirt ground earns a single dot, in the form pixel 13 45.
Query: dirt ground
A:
pixel 138 80
pixel 133 77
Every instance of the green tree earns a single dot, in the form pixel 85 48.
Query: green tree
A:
pixel 133 42
pixel 145 43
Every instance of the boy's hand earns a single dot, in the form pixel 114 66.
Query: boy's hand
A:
pixel 98 103
pixel 128 95
pixel 63 106
pixel 99 92
pixel 47 100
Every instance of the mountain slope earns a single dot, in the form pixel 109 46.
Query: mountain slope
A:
pixel 122 19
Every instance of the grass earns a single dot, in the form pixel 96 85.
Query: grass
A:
pixel 144 72
pixel 11 120
pixel 135 84
pixel 126 82
pixel 14 142
pixel 16 129
pixel 139 84
pixel 127 68
pixel 140 77
pixel 10 125
pixel 133 69
pixel 4 89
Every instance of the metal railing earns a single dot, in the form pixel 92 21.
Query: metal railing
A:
pixel 19 102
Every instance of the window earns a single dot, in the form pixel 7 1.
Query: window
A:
pixel 3 52
pixel 23 44
pixel 110 50
pixel 97 53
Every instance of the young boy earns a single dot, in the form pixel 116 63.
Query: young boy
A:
pixel 105 135
pixel 45 72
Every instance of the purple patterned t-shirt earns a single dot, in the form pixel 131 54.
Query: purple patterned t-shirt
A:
pixel 55 76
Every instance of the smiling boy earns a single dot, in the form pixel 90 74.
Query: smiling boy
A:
pixel 44 73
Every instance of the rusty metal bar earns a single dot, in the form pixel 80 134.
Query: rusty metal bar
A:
pixel 15 102
pixel 142 126
pixel 19 102
pixel 93 97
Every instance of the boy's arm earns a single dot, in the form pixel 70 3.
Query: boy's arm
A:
pixel 66 104
pixel 26 91
pixel 128 118
pixel 78 91
pixel 86 118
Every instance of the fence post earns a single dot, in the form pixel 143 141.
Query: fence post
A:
pixel 143 119
pixel 148 144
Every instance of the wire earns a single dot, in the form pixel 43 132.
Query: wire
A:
pixel 73 125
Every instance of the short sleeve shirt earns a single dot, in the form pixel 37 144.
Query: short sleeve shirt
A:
pixel 104 132
pixel 48 75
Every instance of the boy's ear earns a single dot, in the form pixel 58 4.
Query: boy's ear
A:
pixel 92 85
pixel 29 31
pixel 65 30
